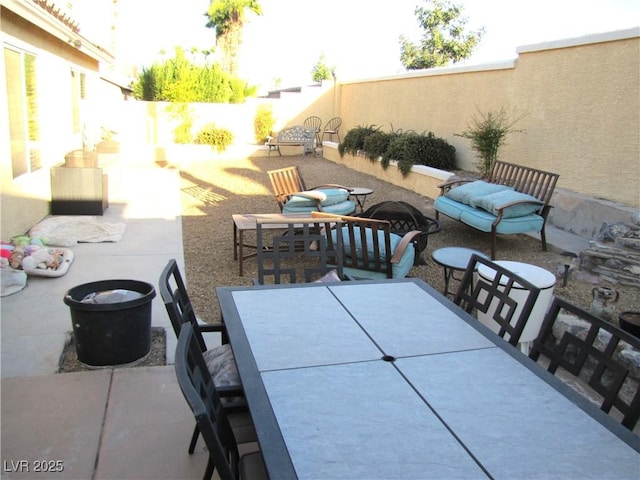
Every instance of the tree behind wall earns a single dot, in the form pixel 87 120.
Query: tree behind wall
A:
pixel 321 70
pixel 444 40
pixel 227 17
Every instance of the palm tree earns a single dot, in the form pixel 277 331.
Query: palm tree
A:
pixel 228 18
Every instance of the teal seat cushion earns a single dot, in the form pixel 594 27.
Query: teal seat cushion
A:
pixel 344 208
pixel 399 270
pixel 465 193
pixel 498 199
pixel 327 196
pixel 449 207
pixel 482 220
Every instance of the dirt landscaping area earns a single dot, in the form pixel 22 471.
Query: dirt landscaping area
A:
pixel 212 191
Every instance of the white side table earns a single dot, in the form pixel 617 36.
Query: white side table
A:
pixel 541 278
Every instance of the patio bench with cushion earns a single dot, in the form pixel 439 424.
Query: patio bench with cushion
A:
pixel 514 199
pixel 292 137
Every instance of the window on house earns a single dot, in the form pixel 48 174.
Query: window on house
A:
pixel 24 125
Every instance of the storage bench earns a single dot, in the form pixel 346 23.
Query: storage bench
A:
pixel 79 186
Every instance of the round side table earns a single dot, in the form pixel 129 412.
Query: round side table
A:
pixel 360 194
pixel 453 259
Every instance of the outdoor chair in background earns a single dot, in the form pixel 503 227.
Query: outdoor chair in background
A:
pixel 219 359
pixel 597 355
pixel 314 124
pixel 495 299
pixel 218 432
pixel 404 218
pixel 305 252
pixel 332 128
pixel 371 251
pixel 293 196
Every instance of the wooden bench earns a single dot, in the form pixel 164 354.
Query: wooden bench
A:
pixel 292 137
pixel 494 212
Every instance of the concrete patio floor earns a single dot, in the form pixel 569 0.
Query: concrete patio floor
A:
pixel 124 423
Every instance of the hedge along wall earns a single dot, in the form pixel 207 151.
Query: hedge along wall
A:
pixel 580 99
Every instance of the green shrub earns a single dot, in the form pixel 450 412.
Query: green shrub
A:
pixel 219 138
pixel 407 148
pixel 182 133
pixel 375 145
pixel 183 113
pixel 353 141
pixel 487 133
pixel 263 123
pixel 411 148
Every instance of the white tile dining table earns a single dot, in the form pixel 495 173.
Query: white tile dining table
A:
pixel 389 379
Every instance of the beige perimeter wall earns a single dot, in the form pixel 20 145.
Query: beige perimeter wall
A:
pixel 579 99
pixel 580 104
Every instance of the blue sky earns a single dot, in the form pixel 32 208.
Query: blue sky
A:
pixel 359 37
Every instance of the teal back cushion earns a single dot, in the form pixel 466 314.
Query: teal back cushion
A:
pixel 467 192
pixel 498 199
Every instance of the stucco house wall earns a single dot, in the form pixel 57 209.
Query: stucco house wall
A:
pixel 58 49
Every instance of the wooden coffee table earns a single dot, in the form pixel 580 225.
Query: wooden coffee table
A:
pixel 247 222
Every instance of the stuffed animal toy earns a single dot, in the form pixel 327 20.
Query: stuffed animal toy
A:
pixel 15 259
pixel 20 240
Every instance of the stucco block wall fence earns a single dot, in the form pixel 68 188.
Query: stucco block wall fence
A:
pixel 579 104
pixel 579 100
pixel 572 212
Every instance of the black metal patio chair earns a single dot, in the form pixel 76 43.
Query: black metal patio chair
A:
pixel 220 436
pixel 315 124
pixel 495 297
pixel 332 128
pixel 219 359
pixel 303 252
pixel 592 352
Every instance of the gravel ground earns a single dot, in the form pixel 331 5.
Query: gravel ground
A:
pixel 212 191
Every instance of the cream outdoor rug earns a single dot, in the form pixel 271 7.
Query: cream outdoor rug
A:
pixel 66 231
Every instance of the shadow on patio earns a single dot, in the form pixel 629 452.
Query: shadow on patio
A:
pixel 133 422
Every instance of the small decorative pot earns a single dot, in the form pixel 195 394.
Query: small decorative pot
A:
pixel 604 302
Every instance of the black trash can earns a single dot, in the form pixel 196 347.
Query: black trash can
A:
pixel 111 333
